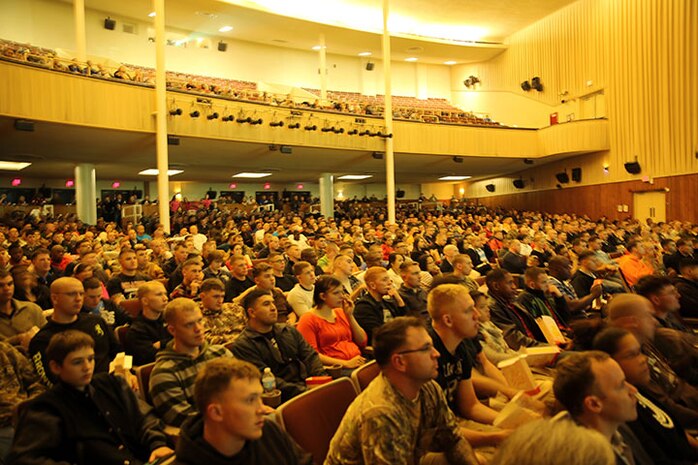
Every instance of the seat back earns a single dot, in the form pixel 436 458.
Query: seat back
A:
pixel 313 417
pixel 120 333
pixel 363 375
pixel 132 306
pixel 143 376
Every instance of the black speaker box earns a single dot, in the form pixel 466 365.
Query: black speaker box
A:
pixel 490 187
pixel 519 183
pixel 633 167
pixel 222 46
pixel 369 66
pixel 109 24
pixel 400 194
pixel 562 178
pixel 576 174
pixel 211 194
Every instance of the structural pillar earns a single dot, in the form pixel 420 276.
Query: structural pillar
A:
pixel 80 41
pixel 161 116
pixel 323 69
pixel 388 116
pixel 86 193
pixel 326 182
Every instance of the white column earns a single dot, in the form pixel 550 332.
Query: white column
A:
pixel 389 155
pixel 80 41
pixel 161 115
pixel 326 182
pixel 86 193
pixel 323 68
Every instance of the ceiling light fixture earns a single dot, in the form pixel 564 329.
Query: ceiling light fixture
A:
pixel 365 54
pixel 450 62
pixel 225 29
pixel 453 178
pixel 155 172
pixel 355 177
pixel 13 165
pixel 251 175
pixel 317 47
pixel 152 14
pixel 411 59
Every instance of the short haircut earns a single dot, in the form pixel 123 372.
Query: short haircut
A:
pixel 40 251
pixel 461 258
pixel 324 284
pixel 212 284
pixel 5 273
pixel 177 306
pixel 441 296
pixel 608 339
pixel 65 342
pixel 632 245
pixel 216 256
pixel 391 336
pixel 682 242
pixel 215 378
pixel 406 265
pixel 300 267
pixel 585 254
pixel 688 263
pixel 260 268
pixel 477 295
pixel 252 297
pixel 236 258
pixel 497 275
pixel 623 306
pixel 533 272
pixel 274 255
pixel 148 287
pixel 651 285
pixel 393 257
pixel 189 262
pixel 126 252
pixel 92 283
pixel 373 258
pixel 575 380
pixel 373 273
pixel 179 245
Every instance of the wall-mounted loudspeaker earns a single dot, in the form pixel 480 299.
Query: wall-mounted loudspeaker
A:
pixel 562 178
pixel 576 174
pixel 211 194
pixel 633 167
pixel 400 194
pixel 222 46
pixel 369 66
pixel 519 183
pixel 490 187
pixel 109 24
pixel 377 155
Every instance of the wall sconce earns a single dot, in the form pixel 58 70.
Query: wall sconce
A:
pixel 471 81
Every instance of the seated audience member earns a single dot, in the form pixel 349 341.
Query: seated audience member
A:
pixel 560 271
pixel 687 285
pixel 223 321
pixel 540 298
pixel 324 262
pixel 284 281
pixel 125 284
pixel 67 297
pixel 519 327
pixel 635 314
pixel 411 291
pixel 428 271
pixel 310 255
pixel 330 327
pixel 293 256
pixel 512 260
pixel 87 418
pixel 449 253
pixel 665 299
pixel 215 268
pixel 382 301
pixel 634 265
pixel 266 343
pixel 148 334
pixel 263 278
pixel 146 266
pixel 395 260
pixel 462 267
pixel 479 255
pixel 684 251
pixel 177 364
pixel 554 442
pixel 191 280
pixel 491 338
pixel 402 416
pixel 41 264
pixel 18 383
pixel 342 267
pixel 178 257
pixel 662 435
pixel 94 304
pixel 455 319
pixel 593 389
pixel 239 281
pixel 585 278
pixel 19 321
pixel 59 259
pixel 231 426
pixel 28 288
pixel 300 298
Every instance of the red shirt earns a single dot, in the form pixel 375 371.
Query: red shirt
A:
pixel 332 339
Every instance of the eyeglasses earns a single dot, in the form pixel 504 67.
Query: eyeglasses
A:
pixel 426 348
pixel 72 294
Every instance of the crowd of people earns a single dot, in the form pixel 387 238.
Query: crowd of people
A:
pixel 430 110
pixel 443 301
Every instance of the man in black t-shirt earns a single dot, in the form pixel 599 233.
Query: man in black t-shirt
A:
pixel 240 281
pixel 124 285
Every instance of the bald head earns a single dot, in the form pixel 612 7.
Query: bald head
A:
pixel 625 305
pixel 634 313
pixel 67 296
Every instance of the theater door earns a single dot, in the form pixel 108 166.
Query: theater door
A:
pixel 649 205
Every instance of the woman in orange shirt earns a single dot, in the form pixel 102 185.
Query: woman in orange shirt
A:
pixel 330 326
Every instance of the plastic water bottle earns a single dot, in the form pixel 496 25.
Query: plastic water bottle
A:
pixel 268 380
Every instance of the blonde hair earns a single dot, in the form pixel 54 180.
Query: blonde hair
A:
pixel 177 306
pixel 441 297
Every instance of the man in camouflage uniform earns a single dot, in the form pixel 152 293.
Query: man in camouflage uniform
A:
pixel 402 417
pixel 223 321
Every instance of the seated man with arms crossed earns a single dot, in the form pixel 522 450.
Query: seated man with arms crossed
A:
pixel 148 333
pixel 85 419
pixel 176 366
pixel 230 427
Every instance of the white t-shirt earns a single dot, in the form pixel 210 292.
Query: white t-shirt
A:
pixel 300 300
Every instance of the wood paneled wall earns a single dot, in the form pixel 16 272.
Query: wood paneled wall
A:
pixel 603 199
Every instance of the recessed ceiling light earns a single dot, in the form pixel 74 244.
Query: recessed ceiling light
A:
pixel 365 54
pixel 317 47
pixel 454 178
pixel 225 29
pixel 355 177
pixel 411 59
pixel 13 165
pixel 152 14
pixel 251 175
pixel 450 62
pixel 155 172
